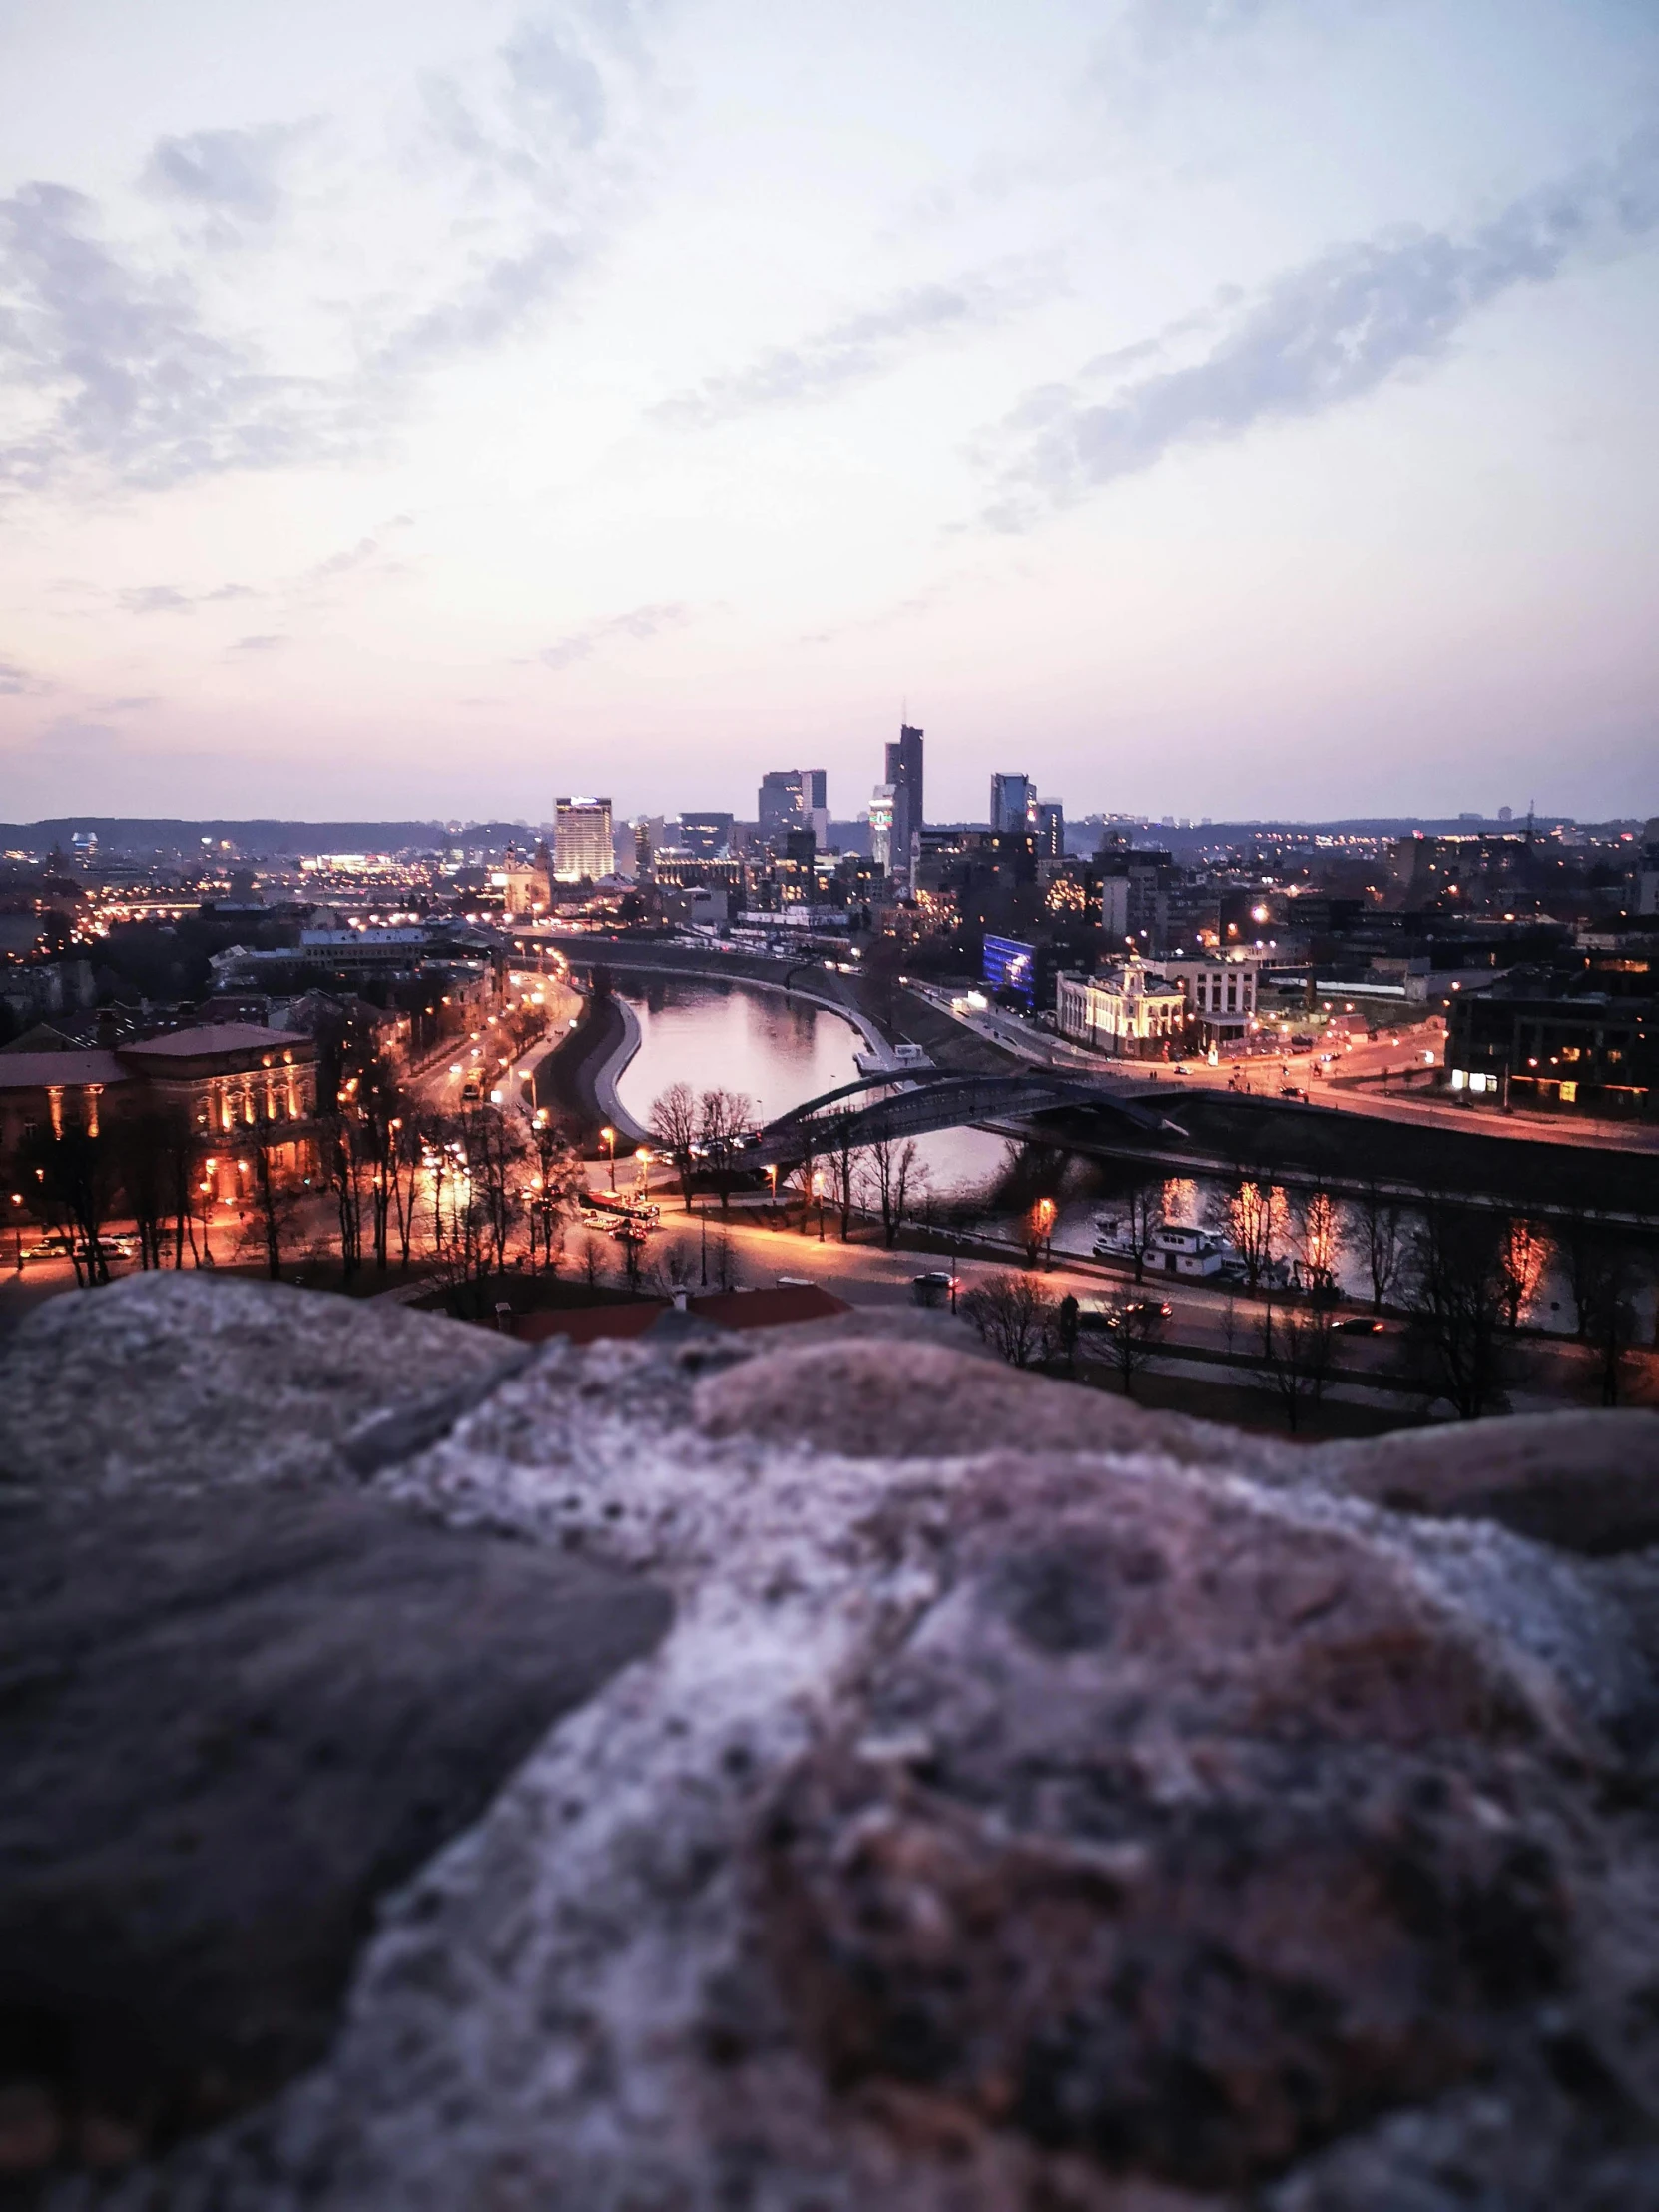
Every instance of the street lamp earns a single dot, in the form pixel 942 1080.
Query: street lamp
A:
pixel 1045 1228
pixel 817 1193
pixel 607 1138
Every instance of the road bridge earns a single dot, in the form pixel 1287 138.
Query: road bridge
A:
pixel 922 1101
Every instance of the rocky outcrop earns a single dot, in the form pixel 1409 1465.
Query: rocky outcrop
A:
pixel 1029 1804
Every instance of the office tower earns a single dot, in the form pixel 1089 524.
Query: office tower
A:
pixel 793 799
pixel 1051 830
pixel 707 836
pixel 582 847
pixel 880 828
pixel 1012 800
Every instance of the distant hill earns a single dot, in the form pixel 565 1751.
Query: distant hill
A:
pixel 256 840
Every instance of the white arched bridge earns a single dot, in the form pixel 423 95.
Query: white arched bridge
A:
pixel 915 1103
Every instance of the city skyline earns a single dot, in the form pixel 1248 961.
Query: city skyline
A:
pixel 1230 407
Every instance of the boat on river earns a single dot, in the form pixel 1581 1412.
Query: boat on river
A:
pixel 1172 1248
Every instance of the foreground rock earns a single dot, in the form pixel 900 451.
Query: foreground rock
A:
pixel 1021 1811
pixel 226 1725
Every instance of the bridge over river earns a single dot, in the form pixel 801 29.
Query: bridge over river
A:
pixel 917 1102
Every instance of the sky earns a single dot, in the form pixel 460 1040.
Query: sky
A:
pixel 1227 407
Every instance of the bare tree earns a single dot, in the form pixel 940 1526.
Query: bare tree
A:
pixel 1297 1354
pixel 896 1165
pixel 1458 1303
pixel 1014 1314
pixel 1525 1249
pixel 1252 1214
pixel 275 1199
pixel 554 1176
pixel 1314 1230
pixel 592 1258
pixel 844 1164
pixel 1133 1326
pixel 1383 1240
pixel 723 1116
pixel 673 1125
pixel 146 1144
pixel 1144 1207
pixel 73 1187
pixel 1604 1281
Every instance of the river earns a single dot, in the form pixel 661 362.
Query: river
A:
pixel 780 1050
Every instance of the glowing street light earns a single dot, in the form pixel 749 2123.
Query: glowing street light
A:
pixel 1044 1214
pixel 607 1138
pixel 817 1193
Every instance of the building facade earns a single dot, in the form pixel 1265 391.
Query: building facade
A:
pixel 583 850
pixel 1014 799
pixel 1218 994
pixel 1132 1012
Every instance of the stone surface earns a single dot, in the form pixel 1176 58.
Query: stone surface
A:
pixel 1019 1812
pixel 1588 1481
pixel 855 1398
pixel 183 1378
pixel 228 1724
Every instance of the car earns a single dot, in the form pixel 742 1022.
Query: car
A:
pixel 1358 1325
pixel 470 1091
pixel 933 1286
pixel 1290 1090
pixel 1180 1068
pixel 1145 1309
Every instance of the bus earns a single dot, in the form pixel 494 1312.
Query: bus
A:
pixel 620 1214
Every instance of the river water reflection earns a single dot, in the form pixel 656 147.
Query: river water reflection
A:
pixel 780 1051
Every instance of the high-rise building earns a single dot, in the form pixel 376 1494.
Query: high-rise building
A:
pixel 582 843
pixel 793 799
pixel 1013 799
pixel 880 828
pixel 905 766
pixel 708 836
pixel 1051 830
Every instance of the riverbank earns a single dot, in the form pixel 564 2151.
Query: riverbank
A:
pixel 577 1080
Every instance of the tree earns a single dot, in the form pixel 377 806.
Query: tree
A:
pixel 845 1167
pixel 1458 1303
pixel 1383 1240
pixel 1067 1322
pixel 674 1123
pixel 722 1117
pixel 1144 1207
pixel 75 1183
pixel 275 1197
pixel 146 1144
pixel 1133 1326
pixel 1604 1282
pixel 896 1163
pixel 1013 1313
pixel 554 1176
pixel 1252 1213
pixel 1525 1249
pixel 1297 1356
pixel 1314 1230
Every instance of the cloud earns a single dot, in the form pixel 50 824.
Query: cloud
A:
pixel 167 599
pixel 1322 335
pixel 157 599
pixel 640 623
pixel 15 681
pixel 500 301
pixel 131 703
pixel 231 173
pixel 860 346
pixel 112 366
pixel 263 644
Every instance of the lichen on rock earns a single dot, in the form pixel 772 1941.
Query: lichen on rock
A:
pixel 1031 1803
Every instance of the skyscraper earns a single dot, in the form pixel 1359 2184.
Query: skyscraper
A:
pixel 582 843
pixel 1051 830
pixel 905 781
pixel 1014 801
pixel 793 799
